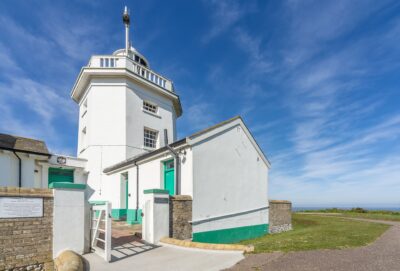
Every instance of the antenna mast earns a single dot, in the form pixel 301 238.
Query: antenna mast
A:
pixel 126 20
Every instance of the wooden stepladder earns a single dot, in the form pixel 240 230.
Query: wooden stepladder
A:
pixel 101 229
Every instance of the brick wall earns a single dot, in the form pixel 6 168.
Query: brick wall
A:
pixel 26 243
pixel 280 216
pixel 180 213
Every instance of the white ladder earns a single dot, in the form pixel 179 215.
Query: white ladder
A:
pixel 101 223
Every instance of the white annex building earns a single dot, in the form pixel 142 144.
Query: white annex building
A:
pixel 127 143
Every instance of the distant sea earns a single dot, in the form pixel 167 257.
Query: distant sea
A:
pixel 301 208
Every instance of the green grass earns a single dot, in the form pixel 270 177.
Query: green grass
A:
pixel 319 232
pixel 362 213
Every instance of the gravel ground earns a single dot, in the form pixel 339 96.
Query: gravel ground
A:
pixel 383 254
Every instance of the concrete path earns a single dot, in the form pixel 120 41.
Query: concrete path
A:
pixel 383 254
pixel 167 258
pixel 129 252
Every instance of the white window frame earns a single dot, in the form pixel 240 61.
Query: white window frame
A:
pixel 150 107
pixel 148 141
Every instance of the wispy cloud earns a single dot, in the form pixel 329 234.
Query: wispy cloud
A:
pixel 224 15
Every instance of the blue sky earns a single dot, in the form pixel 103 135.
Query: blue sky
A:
pixel 317 82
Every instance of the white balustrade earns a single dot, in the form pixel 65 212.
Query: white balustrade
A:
pixel 124 62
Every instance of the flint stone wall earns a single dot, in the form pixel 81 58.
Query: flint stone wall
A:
pixel 280 216
pixel 180 213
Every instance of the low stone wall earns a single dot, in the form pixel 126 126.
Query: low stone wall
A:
pixel 180 213
pixel 280 216
pixel 26 243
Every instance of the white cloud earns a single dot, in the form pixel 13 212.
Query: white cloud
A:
pixel 225 14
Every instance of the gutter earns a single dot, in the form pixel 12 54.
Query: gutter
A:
pixel 29 152
pixel 19 169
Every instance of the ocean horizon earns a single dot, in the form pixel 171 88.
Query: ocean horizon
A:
pixel 371 208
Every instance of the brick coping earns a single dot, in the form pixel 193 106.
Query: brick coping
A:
pixel 25 192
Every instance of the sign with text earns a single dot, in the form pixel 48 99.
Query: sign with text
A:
pixel 20 207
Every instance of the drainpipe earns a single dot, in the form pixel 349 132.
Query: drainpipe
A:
pixel 19 169
pixel 137 192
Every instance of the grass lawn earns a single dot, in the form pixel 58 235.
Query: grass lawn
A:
pixel 361 213
pixel 319 232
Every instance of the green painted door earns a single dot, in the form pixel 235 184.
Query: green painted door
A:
pixel 169 180
pixel 61 175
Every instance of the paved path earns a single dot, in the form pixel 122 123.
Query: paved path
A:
pixel 129 252
pixel 383 254
pixel 167 258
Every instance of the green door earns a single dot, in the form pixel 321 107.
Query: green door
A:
pixel 61 175
pixel 169 180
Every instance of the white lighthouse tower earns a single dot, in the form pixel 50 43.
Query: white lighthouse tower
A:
pixel 125 109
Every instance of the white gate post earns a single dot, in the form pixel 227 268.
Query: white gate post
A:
pixel 156 215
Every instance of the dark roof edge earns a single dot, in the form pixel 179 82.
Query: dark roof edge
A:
pixel 25 151
pixel 135 159
pixel 222 123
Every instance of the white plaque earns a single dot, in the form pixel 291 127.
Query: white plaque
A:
pixel 16 207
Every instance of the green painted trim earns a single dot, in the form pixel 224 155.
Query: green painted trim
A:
pixel 67 185
pixel 131 214
pixel 232 235
pixel 169 180
pixel 60 175
pixel 155 191
pixel 118 214
pixel 97 202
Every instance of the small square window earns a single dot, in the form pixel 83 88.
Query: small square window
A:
pixel 149 107
pixel 150 138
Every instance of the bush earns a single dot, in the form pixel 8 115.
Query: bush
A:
pixel 359 210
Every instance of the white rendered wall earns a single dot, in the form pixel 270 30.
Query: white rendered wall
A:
pixel 156 219
pixel 114 119
pixel 229 177
pixel 137 118
pixel 69 223
pixel 9 169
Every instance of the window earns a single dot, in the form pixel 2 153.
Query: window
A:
pixel 149 107
pixel 150 138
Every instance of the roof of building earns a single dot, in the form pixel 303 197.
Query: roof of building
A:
pixel 178 143
pixel 23 144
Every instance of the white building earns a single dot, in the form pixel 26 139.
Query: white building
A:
pixel 26 162
pixel 222 168
pixel 127 143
